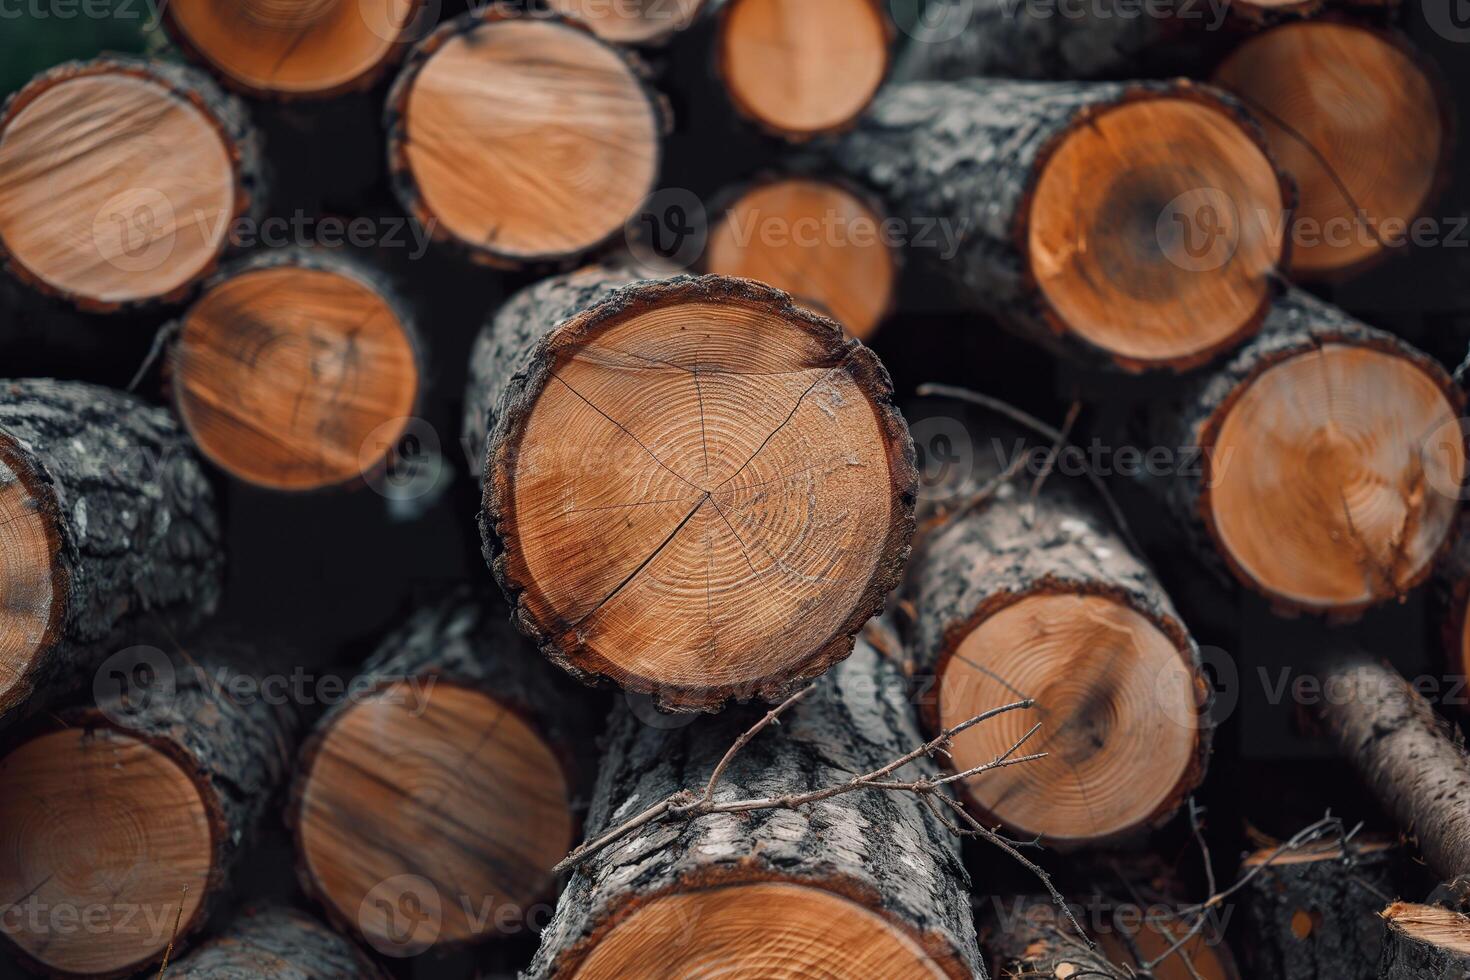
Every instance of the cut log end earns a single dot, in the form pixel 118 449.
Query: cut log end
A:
pixel 1323 92
pixel 1170 260
pixel 115 186
pixel 1324 491
pixel 292 377
pixel 814 239
pixel 100 825
pixel 705 495
pixel 1425 942
pixel 293 48
pixel 803 68
pixel 32 581
pixel 1204 957
pixel 1117 703
pixel 525 140
pixel 632 21
pixel 766 929
pixel 474 806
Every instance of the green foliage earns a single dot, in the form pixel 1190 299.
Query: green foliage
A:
pixel 36 34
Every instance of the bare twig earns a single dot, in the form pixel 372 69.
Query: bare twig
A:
pixel 174 937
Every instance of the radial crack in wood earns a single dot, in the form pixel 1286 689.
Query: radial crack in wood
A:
pixel 700 491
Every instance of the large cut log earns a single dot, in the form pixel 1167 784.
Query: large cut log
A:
pixel 522 138
pixel 1323 460
pixel 1314 912
pixel 1323 88
pixel 803 68
pixel 863 884
pixel 488 743
pixel 1425 942
pixel 1040 595
pixel 276 943
pixel 1408 757
pixel 108 529
pixel 692 487
pixel 296 370
pixel 298 48
pixel 641 22
pixel 1156 255
pixel 822 242
pixel 128 817
pixel 121 181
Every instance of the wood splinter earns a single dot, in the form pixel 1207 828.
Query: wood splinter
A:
pixel 692 487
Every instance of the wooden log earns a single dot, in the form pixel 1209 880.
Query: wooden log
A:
pixel 1452 599
pixel 109 532
pixel 124 819
pixel 121 180
pixel 637 22
pixel 1160 257
pixel 692 487
pixel 1029 937
pixel 1043 597
pixel 1327 461
pixel 1417 770
pixel 820 241
pixel 1314 912
pixel 1425 942
pixel 865 884
pixel 522 139
pixel 292 49
pixel 488 746
pixel 1323 88
pixel 276 943
pixel 800 69
pixel 296 370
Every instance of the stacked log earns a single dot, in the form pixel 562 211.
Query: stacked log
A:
pixel 521 139
pixel 478 806
pixel 133 210
pixel 1328 461
pixel 1425 942
pixel 1320 89
pixel 1180 238
pixel 296 370
pixel 692 487
pixel 1040 595
pixel 109 530
pixel 128 817
pixel 638 22
pixel 802 69
pixel 276 944
pixel 867 883
pixel 822 242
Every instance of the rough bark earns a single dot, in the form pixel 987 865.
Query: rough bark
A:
pixel 226 112
pixel 1031 939
pixel 1319 918
pixel 279 944
pixel 1412 761
pixel 1410 957
pixel 137 542
pixel 883 849
pixel 1188 422
pixel 970 153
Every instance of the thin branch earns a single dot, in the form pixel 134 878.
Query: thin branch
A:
pixel 770 718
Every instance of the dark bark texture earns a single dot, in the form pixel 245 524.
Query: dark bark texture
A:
pixel 1406 957
pixel 1188 423
pixel 966 155
pixel 277 944
pixel 229 116
pixel 1311 919
pixel 1415 765
pixel 137 538
pixel 883 849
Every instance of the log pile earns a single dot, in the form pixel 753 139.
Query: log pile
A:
pixel 791 607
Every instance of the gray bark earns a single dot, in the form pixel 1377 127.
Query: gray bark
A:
pixel 1408 958
pixel 276 943
pixel 882 845
pixel 139 539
